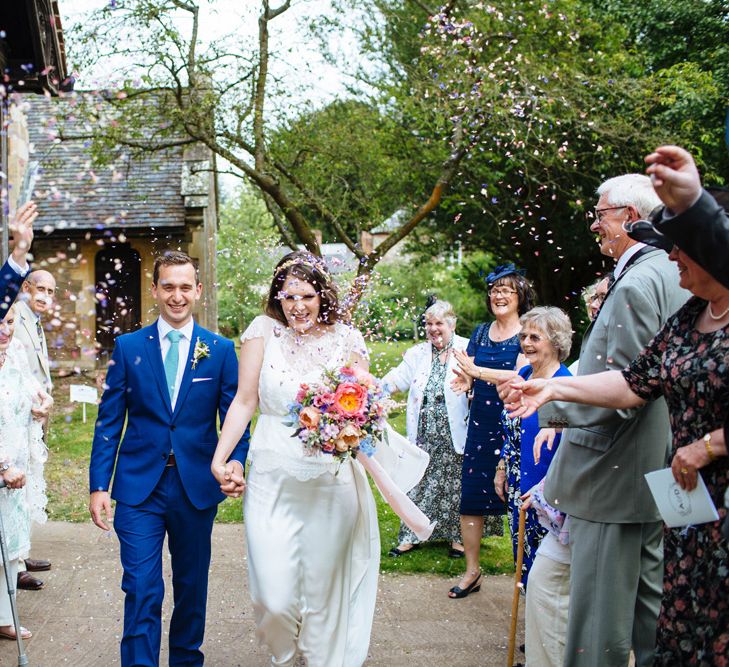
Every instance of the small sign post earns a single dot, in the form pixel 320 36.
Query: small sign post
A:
pixel 81 393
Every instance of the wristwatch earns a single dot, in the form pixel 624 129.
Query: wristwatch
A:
pixel 4 466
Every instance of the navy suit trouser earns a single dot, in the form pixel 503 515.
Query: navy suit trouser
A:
pixel 141 530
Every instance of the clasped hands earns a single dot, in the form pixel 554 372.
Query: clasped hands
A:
pixel 230 477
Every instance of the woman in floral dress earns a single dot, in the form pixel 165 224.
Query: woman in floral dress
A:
pixel 436 422
pixel 687 363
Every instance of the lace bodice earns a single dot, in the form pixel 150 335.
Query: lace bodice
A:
pixel 21 445
pixel 290 360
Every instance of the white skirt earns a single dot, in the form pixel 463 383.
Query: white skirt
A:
pixel 313 559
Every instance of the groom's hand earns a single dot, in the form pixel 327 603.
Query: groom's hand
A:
pixel 233 483
pixel 100 501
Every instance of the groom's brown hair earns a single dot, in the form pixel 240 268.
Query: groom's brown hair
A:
pixel 173 258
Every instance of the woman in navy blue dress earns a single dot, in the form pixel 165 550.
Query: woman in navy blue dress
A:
pixel 492 345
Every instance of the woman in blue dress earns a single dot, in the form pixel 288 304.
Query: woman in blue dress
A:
pixel 546 340
pixel 492 345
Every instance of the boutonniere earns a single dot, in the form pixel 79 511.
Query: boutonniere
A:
pixel 201 351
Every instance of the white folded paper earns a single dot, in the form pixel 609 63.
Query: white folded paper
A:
pixel 677 506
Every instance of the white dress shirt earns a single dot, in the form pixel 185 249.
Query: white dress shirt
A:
pixel 625 258
pixel 17 268
pixel 184 349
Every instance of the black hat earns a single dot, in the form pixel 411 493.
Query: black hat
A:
pixel 645 231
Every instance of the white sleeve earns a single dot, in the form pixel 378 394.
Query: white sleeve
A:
pixel 261 327
pixel 356 344
pixel 402 375
pixel 18 269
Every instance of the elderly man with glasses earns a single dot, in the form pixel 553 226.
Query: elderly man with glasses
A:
pixel 596 476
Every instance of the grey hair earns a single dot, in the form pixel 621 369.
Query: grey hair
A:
pixel 442 310
pixel 631 190
pixel 556 325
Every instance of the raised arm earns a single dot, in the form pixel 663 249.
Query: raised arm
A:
pixel 606 390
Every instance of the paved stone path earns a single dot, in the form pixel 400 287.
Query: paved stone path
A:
pixel 77 618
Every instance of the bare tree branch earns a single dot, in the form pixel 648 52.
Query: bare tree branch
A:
pixel 321 209
pixel 273 13
pixel 275 212
pixel 446 176
pixel 147 146
pixel 421 5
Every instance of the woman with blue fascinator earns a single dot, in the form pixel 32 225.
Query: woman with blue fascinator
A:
pixel 493 345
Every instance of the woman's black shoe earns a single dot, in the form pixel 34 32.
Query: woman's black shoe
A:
pixel 458 592
pixel 395 552
pixel 455 553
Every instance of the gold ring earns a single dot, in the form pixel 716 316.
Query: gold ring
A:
pixel 684 471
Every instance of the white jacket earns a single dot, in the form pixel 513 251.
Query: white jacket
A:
pixel 412 374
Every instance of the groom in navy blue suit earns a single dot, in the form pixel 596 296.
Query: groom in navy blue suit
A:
pixel 170 382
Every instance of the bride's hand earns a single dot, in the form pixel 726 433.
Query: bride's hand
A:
pixel 230 477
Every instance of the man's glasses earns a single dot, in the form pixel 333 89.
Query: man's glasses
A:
pixel 501 291
pixel 599 213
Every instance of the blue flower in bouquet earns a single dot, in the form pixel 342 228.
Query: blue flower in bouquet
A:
pixel 366 446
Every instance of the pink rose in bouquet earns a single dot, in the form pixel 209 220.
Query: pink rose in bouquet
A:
pixel 350 399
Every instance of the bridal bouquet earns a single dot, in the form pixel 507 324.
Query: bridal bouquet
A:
pixel 343 414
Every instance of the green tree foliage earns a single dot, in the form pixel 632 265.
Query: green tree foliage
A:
pixel 685 47
pixel 220 92
pixel 561 102
pixel 393 305
pixel 248 248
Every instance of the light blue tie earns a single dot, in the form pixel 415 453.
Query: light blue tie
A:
pixel 172 360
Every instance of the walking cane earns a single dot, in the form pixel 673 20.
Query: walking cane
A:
pixel 517 586
pixel 22 657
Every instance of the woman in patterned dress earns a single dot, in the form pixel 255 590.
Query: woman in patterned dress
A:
pixel 22 454
pixel 688 364
pixel 546 340
pixel 492 345
pixel 436 422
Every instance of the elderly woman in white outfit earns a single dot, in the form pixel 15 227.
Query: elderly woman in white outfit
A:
pixel 23 405
pixel 437 423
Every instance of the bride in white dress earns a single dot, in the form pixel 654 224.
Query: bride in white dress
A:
pixel 311 524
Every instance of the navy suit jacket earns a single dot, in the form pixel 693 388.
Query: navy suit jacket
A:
pixel 10 282
pixel 136 391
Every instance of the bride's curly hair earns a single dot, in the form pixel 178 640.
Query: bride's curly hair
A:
pixel 310 269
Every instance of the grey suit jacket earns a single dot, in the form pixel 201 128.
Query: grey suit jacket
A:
pixel 35 347
pixel 597 473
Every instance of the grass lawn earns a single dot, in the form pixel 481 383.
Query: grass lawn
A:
pixel 67 480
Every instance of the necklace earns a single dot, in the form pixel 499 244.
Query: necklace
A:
pixel 716 318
